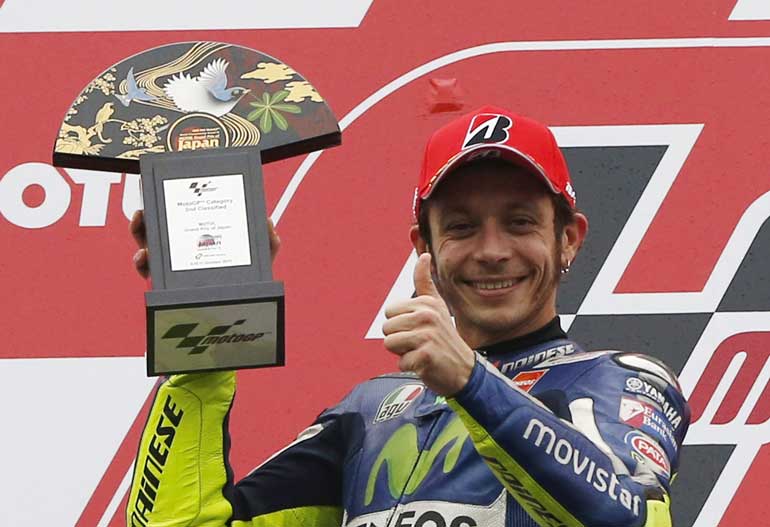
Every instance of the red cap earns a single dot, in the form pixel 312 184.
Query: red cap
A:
pixel 494 132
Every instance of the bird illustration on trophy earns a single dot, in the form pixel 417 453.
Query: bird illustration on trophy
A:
pixel 188 96
pixel 133 92
pixel 208 92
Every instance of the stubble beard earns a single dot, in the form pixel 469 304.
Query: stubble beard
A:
pixel 479 325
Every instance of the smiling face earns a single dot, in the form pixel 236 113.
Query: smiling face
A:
pixel 496 255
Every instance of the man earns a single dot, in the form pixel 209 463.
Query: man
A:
pixel 498 419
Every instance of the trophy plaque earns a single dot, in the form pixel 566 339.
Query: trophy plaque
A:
pixel 198 120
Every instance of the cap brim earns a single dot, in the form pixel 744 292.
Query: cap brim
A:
pixel 505 152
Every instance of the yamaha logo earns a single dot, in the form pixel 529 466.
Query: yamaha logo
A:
pixel 634 384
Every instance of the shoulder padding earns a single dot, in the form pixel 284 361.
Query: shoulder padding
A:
pixel 646 364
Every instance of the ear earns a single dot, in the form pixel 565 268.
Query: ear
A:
pixel 419 244
pixel 572 239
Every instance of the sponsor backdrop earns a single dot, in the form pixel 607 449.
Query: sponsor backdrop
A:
pixel 661 107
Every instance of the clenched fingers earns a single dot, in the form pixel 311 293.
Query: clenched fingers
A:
pixel 138 231
pixel 141 264
pixel 419 303
pixel 410 320
pixel 416 361
pixel 399 308
pixel 403 341
pixel 275 240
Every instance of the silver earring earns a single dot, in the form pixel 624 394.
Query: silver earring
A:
pixel 565 269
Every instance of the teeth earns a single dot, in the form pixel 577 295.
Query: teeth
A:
pixel 493 285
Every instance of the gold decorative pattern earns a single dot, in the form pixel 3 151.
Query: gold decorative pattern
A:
pixel 102 116
pixel 270 72
pixel 301 90
pixel 143 132
pixel 186 96
pixel 134 154
pixel 242 131
pixel 77 140
pixel 104 83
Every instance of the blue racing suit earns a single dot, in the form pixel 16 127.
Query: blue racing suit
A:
pixel 543 434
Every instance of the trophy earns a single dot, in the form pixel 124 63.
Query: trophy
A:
pixel 197 120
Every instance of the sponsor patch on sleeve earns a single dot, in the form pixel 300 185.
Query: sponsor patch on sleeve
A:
pixel 535 359
pixel 398 401
pixel 525 380
pixel 647 451
pixel 643 363
pixel 646 417
pixel 648 390
pixel 571 359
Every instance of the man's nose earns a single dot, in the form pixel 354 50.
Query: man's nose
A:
pixel 493 244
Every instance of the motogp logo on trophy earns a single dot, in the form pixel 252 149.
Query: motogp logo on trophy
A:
pixel 216 335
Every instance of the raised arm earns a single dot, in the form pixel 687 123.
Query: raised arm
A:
pixel 182 476
pixel 584 459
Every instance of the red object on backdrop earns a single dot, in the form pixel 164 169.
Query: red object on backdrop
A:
pixel 445 95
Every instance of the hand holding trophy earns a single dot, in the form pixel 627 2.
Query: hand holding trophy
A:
pixel 198 120
pixel 139 232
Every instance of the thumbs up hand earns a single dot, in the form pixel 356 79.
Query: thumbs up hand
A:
pixel 420 331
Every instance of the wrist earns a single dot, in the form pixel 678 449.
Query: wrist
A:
pixel 465 374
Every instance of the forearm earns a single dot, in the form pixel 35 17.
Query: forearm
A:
pixel 559 474
pixel 180 470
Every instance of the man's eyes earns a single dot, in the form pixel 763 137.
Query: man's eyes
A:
pixel 459 226
pixel 465 226
pixel 522 221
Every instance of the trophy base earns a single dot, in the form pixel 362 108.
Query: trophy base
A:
pixel 215 328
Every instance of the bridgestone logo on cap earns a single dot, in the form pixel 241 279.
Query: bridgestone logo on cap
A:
pixel 487 128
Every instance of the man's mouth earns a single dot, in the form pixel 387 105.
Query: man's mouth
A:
pixel 494 285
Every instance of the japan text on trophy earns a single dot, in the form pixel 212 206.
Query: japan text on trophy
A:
pixel 198 120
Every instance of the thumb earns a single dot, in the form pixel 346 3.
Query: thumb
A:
pixel 423 280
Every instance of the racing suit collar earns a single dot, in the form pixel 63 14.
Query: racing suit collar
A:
pixel 430 403
pixel 551 331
